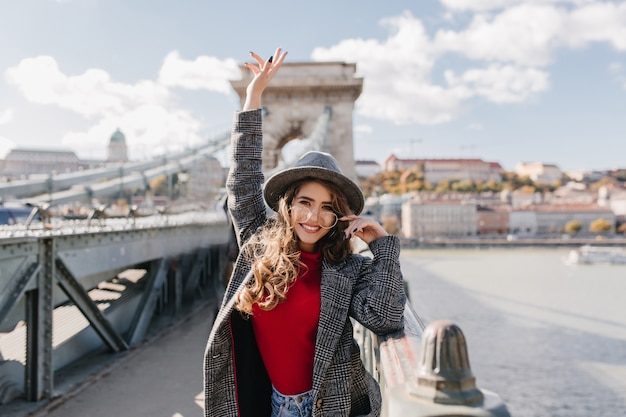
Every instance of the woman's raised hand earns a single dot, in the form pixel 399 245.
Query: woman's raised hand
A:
pixel 264 71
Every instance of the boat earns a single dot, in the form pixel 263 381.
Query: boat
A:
pixel 589 255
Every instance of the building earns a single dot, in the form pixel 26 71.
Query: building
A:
pixel 365 169
pixel 551 219
pixel 437 170
pixel 539 172
pixel 118 151
pixel 493 220
pixel 586 175
pixel 615 200
pixel 22 162
pixel 438 218
pixel 572 193
pixel 523 198
pixel 523 222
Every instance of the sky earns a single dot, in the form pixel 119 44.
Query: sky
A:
pixel 506 81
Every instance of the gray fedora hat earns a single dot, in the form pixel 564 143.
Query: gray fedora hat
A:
pixel 314 165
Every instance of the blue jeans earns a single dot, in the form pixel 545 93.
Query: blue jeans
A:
pixel 299 405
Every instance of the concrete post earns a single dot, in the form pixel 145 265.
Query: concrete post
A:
pixel 445 383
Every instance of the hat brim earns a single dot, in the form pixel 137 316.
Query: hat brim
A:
pixel 278 183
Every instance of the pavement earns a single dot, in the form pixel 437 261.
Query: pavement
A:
pixel 161 378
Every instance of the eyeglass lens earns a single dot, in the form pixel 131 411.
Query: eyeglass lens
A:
pixel 325 219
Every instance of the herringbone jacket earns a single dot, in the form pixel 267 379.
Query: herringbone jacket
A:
pixel 368 290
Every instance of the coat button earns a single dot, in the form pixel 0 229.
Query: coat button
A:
pixel 319 403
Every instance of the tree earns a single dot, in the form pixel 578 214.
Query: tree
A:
pixel 600 226
pixel 573 227
pixel 602 182
pixel 463 186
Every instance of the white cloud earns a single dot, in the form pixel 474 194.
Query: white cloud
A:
pixel 146 111
pixel 597 22
pixel 204 73
pixel 149 129
pixel 397 74
pixel 6 116
pixel 506 52
pixel 501 84
pixel 526 35
pixel 90 94
pixel 363 129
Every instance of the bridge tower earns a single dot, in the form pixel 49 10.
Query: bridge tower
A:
pixel 310 100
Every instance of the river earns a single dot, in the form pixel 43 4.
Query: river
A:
pixel 548 337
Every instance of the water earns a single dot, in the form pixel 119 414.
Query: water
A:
pixel 549 338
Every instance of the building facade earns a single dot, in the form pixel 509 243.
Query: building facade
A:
pixel 438 218
pixel 365 169
pixel 437 170
pixel 118 151
pixel 550 219
pixel 22 162
pixel 538 171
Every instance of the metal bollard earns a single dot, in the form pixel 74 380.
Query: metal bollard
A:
pixel 441 383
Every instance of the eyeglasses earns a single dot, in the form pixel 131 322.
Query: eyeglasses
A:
pixel 302 214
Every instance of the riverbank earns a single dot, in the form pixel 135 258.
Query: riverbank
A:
pixel 510 243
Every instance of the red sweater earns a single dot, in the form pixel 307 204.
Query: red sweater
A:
pixel 286 334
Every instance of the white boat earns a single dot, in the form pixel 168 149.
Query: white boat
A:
pixel 588 254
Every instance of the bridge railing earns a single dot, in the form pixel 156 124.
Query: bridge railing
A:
pixel 424 371
pixel 80 290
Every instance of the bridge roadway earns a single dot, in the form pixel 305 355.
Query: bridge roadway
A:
pixel 160 378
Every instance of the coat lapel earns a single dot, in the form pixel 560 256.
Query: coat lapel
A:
pixel 229 301
pixel 335 303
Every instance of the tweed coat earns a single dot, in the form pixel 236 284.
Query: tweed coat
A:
pixel 369 290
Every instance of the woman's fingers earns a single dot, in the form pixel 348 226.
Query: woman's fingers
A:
pixel 255 70
pixel 365 228
pixel 355 225
pixel 269 66
pixel 257 58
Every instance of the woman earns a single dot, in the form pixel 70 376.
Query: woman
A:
pixel 282 344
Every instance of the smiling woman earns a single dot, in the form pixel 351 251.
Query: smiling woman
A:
pixel 282 343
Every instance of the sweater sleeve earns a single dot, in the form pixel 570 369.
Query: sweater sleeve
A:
pixel 378 297
pixel 245 177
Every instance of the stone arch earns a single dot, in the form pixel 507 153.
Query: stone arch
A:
pixel 296 99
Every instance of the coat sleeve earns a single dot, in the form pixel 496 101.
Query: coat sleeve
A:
pixel 378 297
pixel 245 177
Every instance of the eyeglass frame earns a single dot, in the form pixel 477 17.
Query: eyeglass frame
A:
pixel 310 212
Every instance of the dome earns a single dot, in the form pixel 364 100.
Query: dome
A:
pixel 118 136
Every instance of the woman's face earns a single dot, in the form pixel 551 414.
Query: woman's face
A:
pixel 312 215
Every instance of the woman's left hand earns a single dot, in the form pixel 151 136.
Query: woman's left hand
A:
pixel 365 228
